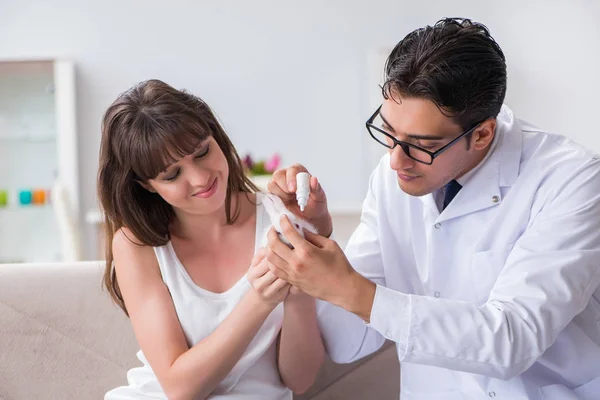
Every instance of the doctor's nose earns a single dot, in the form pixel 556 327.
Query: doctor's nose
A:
pixel 399 160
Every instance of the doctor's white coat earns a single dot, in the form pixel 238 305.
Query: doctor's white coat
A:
pixel 498 296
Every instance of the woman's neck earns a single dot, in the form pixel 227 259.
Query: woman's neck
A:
pixel 212 227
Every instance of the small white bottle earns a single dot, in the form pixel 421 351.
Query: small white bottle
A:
pixel 302 189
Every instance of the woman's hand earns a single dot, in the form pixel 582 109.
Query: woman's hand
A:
pixel 270 290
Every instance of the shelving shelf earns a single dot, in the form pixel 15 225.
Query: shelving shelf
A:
pixel 38 151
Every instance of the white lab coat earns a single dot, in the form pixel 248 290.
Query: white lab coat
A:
pixel 498 295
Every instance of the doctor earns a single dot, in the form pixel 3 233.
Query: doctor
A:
pixel 478 250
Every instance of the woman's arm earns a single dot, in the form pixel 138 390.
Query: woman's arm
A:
pixel 301 349
pixel 183 372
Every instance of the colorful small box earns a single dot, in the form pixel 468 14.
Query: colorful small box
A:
pixel 3 198
pixel 39 197
pixel 25 197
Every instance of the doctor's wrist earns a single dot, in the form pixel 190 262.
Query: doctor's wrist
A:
pixel 359 296
pixel 324 225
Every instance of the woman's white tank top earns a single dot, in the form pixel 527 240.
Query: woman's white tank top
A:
pixel 200 312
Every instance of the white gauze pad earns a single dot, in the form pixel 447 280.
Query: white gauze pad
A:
pixel 275 208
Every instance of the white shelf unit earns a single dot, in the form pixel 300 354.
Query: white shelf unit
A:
pixel 38 151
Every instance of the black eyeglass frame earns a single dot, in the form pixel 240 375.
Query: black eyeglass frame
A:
pixel 406 146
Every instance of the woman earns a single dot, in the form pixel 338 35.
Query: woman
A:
pixel 183 224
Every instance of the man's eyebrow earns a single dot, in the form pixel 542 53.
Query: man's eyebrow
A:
pixel 425 137
pixel 387 123
pixel 412 135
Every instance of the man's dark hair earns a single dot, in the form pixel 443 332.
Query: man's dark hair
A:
pixel 456 64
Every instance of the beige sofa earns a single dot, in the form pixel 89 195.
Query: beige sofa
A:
pixel 62 338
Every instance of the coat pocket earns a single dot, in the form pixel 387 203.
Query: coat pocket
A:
pixel 590 390
pixel 587 391
pixel 486 266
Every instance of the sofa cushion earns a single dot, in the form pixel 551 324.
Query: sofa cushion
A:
pixel 374 377
pixel 61 337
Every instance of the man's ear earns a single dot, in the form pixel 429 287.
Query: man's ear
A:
pixel 484 134
pixel 147 186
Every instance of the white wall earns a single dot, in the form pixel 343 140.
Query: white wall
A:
pixel 293 76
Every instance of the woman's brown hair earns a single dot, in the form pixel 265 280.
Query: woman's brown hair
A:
pixel 147 128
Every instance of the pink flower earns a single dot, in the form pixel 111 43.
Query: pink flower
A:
pixel 273 163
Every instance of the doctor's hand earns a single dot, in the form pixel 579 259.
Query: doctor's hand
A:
pixel 269 289
pixel 283 185
pixel 317 266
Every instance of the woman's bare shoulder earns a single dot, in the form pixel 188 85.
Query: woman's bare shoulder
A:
pixel 129 250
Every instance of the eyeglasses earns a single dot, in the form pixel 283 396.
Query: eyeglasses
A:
pixel 414 152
